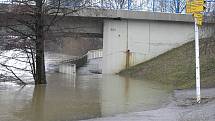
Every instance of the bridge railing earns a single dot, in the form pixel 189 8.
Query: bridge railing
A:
pixel 79 61
pixel 6 1
pixel 93 54
pixel 166 6
pixel 69 66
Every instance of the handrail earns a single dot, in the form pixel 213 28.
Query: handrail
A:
pixel 73 59
pixel 79 61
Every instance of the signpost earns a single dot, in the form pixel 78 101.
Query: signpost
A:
pixel 198 87
pixel 197 7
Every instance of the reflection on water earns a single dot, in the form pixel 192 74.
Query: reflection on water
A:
pixel 119 95
pixel 86 97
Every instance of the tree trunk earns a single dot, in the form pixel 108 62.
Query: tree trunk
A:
pixel 38 102
pixel 40 62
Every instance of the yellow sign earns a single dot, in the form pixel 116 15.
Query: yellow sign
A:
pixel 195 6
pixel 199 18
pixel 188 6
pixel 197 9
pixel 198 15
pixel 199 21
pixel 199 2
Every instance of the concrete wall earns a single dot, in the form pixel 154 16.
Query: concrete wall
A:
pixel 75 46
pixel 67 68
pixel 81 25
pixel 114 46
pixel 144 39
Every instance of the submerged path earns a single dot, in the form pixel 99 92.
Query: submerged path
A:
pixel 182 108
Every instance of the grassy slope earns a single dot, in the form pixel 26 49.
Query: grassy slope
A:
pixel 177 66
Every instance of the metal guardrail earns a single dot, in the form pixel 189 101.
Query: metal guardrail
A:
pixel 93 54
pixel 165 6
pixel 171 6
pixel 79 61
pixel 6 1
pixel 139 5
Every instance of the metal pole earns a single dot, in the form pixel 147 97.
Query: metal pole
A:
pixel 177 6
pixel 102 3
pixel 153 6
pixel 129 4
pixel 74 75
pixel 198 94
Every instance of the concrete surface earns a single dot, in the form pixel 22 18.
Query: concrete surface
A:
pixel 136 15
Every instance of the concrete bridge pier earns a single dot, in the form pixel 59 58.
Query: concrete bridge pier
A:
pixel 128 42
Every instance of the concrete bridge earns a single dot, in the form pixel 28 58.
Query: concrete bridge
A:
pixel 130 37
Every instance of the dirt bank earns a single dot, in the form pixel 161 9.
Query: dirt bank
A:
pixel 177 66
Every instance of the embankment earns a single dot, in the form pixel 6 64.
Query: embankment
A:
pixel 177 66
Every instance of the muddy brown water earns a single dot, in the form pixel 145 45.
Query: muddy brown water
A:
pixel 88 96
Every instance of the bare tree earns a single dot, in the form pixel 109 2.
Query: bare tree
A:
pixel 169 6
pixel 25 25
pixel 121 4
pixel 114 4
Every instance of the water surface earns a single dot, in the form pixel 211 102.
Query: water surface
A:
pixel 65 98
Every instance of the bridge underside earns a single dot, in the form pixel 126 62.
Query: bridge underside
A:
pixel 70 35
pixel 68 26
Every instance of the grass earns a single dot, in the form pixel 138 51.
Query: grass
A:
pixel 177 66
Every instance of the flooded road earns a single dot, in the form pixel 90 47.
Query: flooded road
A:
pixel 88 96
pixel 183 107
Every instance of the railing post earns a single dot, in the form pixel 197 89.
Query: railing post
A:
pixel 177 6
pixel 129 4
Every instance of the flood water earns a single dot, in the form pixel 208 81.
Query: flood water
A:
pixel 88 96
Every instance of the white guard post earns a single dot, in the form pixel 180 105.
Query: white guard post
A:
pixel 198 93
